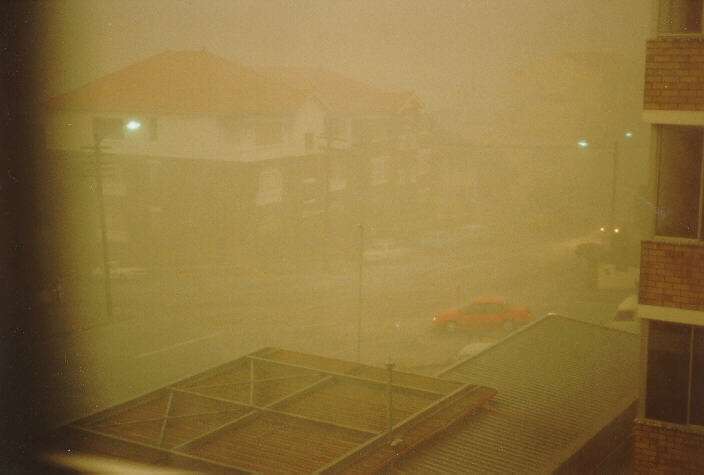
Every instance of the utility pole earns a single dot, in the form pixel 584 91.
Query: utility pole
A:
pixel 97 139
pixel 101 130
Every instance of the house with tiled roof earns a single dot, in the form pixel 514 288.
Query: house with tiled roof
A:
pixel 387 127
pixel 214 154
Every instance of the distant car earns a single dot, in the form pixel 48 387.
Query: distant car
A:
pixel 484 312
pixel 385 250
pixel 612 244
pixel 119 272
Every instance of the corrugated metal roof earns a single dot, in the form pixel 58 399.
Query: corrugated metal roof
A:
pixel 559 382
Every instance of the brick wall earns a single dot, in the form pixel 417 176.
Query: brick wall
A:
pixel 674 74
pixel 659 449
pixel 671 275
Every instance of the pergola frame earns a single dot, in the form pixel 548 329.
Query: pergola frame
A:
pixel 179 454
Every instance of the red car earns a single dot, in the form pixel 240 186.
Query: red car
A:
pixel 487 312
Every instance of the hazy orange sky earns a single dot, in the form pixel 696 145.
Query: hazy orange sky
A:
pixel 439 48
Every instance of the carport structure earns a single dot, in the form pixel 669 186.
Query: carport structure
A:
pixel 277 411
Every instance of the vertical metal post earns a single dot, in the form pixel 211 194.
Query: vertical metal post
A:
pixel 326 191
pixel 389 391
pixel 359 302
pixel 251 381
pixel 613 187
pixel 103 225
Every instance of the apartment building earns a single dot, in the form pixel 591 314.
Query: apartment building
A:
pixel 669 429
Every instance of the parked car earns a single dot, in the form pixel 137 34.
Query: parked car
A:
pixel 385 250
pixel 119 272
pixel 483 312
pixel 626 317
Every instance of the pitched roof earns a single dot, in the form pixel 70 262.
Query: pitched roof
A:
pixel 183 82
pixel 277 411
pixel 559 382
pixel 340 93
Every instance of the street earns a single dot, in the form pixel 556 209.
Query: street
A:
pixel 170 326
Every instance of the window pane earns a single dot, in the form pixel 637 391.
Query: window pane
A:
pixel 680 16
pixel 668 372
pixel 109 128
pixel 697 401
pixel 678 181
pixel 269 133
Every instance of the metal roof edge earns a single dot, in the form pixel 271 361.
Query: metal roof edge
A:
pixel 569 451
pixel 527 327
pixel 444 371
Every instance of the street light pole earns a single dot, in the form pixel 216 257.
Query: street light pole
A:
pixel 100 131
pixel 97 139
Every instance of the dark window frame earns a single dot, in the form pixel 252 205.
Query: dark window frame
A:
pixel 664 210
pixel 690 22
pixel 110 128
pixel 674 387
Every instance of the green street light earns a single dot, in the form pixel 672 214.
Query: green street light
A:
pixel 133 124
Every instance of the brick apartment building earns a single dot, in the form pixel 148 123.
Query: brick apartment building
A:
pixel 669 429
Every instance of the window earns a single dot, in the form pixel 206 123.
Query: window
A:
pixel 231 130
pixel 379 170
pixel 483 309
pixel 679 182
pixel 109 128
pixel 680 16
pixel 675 373
pixel 271 187
pixel 337 179
pixel 309 142
pixel 269 133
pixel 334 127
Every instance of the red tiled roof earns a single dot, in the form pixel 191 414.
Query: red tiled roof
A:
pixel 338 92
pixel 183 82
